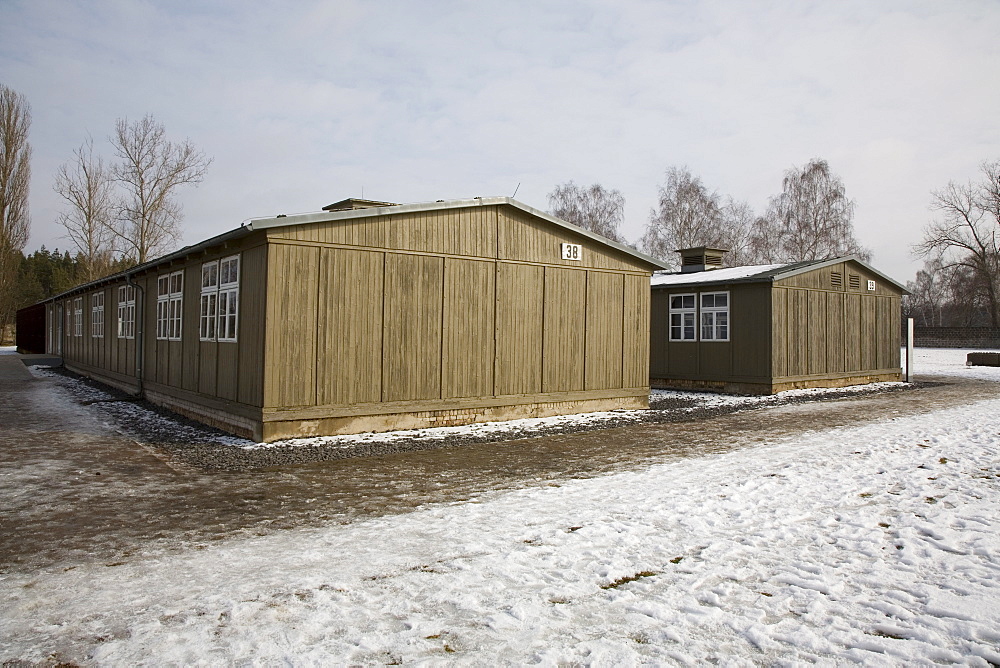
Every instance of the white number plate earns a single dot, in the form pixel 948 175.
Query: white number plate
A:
pixel 871 286
pixel 571 251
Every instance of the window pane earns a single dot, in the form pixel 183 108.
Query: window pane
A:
pixel 210 275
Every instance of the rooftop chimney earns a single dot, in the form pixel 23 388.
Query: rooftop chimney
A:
pixel 701 258
pixel 353 203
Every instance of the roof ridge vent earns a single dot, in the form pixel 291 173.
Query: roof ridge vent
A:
pixel 354 203
pixel 701 258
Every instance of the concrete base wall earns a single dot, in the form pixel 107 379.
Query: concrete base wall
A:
pixel 280 429
pixel 126 384
pixel 242 420
pixel 982 359
pixel 777 385
pixel 214 416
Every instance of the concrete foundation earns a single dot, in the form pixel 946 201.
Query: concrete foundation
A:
pixel 280 429
pixel 779 385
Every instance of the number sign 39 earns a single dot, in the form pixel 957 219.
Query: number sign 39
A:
pixel 571 251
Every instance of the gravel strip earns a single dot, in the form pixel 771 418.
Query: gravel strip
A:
pixel 192 443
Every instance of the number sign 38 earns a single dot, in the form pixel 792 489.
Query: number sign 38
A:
pixel 571 251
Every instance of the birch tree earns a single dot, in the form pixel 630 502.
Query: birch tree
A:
pixel 15 174
pixel 812 219
pixel 87 186
pixel 688 215
pixel 150 171
pixel 595 208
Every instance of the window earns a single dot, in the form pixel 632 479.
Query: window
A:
pixel 219 306
pixel 169 305
pixel 682 318
pixel 97 315
pixel 715 316
pixel 78 316
pixel 126 312
pixel 69 319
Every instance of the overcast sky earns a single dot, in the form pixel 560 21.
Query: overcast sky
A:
pixel 304 103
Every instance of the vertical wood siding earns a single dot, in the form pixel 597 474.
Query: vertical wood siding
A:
pixel 779 333
pixel 750 314
pixel 349 364
pixel 471 231
pixel 525 238
pixel 191 360
pixel 413 309
pixel 252 319
pixel 852 333
pixel 836 349
pixel 604 330
pixel 635 333
pixel 453 319
pixel 520 298
pixel 469 328
pixel 290 370
pixel 565 324
pixel 828 332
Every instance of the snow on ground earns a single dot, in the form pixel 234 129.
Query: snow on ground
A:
pixel 950 362
pixel 875 544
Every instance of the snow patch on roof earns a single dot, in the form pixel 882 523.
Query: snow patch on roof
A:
pixel 712 275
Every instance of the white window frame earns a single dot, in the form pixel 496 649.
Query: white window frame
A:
pixel 97 315
pixel 68 307
pixel 78 317
pixel 169 305
pixel 218 306
pixel 714 321
pixel 126 312
pixel 683 317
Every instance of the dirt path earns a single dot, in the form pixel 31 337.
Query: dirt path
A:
pixel 73 490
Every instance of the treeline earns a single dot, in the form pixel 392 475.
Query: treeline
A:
pixel 118 211
pixel 811 219
pixel 46 273
pixel 959 285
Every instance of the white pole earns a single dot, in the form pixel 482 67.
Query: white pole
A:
pixel 909 350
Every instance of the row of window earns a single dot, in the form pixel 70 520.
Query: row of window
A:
pixel 218 312
pixel 713 308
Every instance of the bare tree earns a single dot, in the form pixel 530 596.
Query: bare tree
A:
pixel 150 171
pixel 929 293
pixel 812 219
pixel 964 234
pixel 689 215
pixel 87 185
pixel 596 209
pixel 738 219
pixel 15 174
